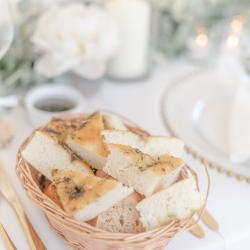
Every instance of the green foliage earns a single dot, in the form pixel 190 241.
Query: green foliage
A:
pixel 177 20
pixel 16 67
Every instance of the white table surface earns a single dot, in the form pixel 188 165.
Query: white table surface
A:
pixel 229 200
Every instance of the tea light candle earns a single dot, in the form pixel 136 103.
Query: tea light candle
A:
pixel 237 24
pixel 199 46
pixel 133 20
pixel 233 40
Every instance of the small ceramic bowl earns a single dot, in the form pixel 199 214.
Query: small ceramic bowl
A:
pixel 49 100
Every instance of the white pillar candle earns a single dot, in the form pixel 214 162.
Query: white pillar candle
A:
pixel 133 19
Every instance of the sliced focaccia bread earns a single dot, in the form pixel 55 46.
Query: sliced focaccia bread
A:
pixel 177 202
pixel 152 145
pixel 6 133
pixel 111 121
pixel 45 152
pixel 122 217
pixel 144 173
pixel 50 191
pixel 60 127
pixel 84 197
pixel 86 141
pixel 102 174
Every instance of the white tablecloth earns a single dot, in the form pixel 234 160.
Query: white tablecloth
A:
pixel 229 200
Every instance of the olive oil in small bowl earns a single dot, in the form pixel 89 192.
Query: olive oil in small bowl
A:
pixel 55 105
pixel 45 101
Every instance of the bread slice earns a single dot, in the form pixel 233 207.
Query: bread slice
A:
pixel 87 141
pixel 50 191
pixel 102 174
pixel 152 145
pixel 122 217
pixel 144 173
pixel 60 127
pixel 177 202
pixel 45 152
pixel 84 197
pixel 6 133
pixel 111 121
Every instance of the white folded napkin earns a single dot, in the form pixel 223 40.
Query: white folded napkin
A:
pixel 239 125
pixel 231 72
pixel 234 77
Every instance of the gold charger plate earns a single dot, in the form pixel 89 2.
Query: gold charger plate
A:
pixel 195 108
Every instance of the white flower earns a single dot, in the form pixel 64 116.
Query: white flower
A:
pixel 74 37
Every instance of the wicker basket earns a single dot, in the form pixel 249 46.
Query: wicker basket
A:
pixel 80 235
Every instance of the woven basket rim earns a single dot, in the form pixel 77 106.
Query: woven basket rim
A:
pixel 23 169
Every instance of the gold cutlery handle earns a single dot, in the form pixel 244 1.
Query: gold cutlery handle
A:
pixel 196 229
pixel 9 193
pixel 22 218
pixel 36 238
pixel 7 241
pixel 209 220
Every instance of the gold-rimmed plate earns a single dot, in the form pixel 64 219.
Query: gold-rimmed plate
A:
pixel 196 109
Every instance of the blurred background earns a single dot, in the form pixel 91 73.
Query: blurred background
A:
pixel 41 41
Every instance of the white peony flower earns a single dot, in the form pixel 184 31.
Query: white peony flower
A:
pixel 74 37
